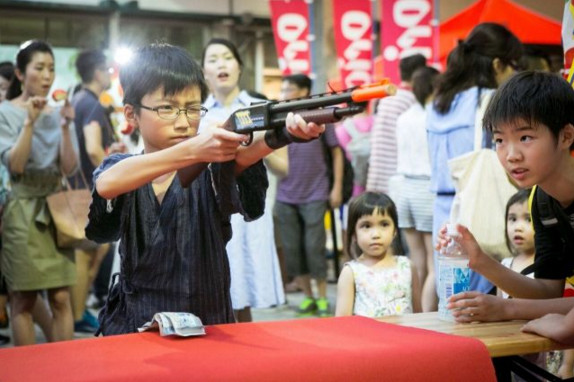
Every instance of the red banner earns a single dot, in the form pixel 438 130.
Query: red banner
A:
pixel 406 30
pixel 353 24
pixel 290 21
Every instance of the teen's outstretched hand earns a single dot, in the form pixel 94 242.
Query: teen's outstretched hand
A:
pixel 299 128
pixel 476 306
pixel 467 242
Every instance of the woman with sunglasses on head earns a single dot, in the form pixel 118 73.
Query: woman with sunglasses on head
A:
pixel 255 273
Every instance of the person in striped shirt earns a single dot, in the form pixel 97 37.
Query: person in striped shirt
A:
pixel 383 161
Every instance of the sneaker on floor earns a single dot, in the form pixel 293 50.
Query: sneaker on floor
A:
pixel 90 319
pixel 323 308
pixel 307 308
pixel 83 326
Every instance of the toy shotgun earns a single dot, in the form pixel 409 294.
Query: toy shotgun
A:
pixel 321 108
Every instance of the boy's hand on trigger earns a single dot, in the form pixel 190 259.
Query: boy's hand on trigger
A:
pixel 216 144
pixel 299 128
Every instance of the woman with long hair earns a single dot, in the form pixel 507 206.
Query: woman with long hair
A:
pixel 479 64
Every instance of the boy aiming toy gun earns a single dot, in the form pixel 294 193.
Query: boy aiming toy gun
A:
pixel 320 109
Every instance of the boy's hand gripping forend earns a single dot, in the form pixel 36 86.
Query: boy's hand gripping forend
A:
pixel 320 109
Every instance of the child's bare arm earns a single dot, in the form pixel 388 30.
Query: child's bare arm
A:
pixel 345 293
pixel 213 145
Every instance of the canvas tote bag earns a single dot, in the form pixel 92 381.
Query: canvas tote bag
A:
pixel 482 191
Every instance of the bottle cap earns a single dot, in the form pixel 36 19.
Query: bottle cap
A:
pixel 451 230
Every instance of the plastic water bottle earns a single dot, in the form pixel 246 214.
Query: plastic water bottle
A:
pixel 454 273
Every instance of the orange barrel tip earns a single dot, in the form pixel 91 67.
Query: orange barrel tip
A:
pixel 367 93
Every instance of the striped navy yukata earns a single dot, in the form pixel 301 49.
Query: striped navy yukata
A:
pixel 173 255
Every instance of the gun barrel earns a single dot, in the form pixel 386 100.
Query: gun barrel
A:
pixel 312 102
pixel 360 94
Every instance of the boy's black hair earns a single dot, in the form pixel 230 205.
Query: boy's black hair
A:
pixel 364 205
pixel 160 65
pixel 409 64
pixel 302 81
pixel 520 197
pixel 7 70
pixel 87 62
pixel 23 58
pixel 424 80
pixel 221 41
pixel 536 98
pixel 470 63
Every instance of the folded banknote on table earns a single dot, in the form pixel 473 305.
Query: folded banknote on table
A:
pixel 175 324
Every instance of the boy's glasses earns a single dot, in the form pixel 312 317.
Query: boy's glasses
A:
pixel 193 113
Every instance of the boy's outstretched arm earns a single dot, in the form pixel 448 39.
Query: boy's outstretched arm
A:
pixel 558 327
pixel 212 145
pixel 296 126
pixel 345 293
pixel 513 283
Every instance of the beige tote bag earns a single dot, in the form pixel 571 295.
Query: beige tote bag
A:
pixel 482 191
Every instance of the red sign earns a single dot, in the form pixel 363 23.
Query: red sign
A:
pixel 406 30
pixel 353 23
pixel 290 21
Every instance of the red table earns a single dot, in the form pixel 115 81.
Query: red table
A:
pixel 331 349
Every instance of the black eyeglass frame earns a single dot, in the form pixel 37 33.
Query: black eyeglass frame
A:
pixel 201 112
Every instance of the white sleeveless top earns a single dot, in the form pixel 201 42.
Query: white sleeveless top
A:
pixel 384 291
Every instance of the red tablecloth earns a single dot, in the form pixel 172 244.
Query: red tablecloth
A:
pixel 332 349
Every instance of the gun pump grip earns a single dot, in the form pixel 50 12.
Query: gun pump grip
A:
pixel 319 116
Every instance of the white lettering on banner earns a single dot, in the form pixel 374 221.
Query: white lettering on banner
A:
pixel 409 37
pixel 408 14
pixel 290 28
pixel 355 25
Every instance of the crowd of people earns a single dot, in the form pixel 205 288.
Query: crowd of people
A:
pixel 252 217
